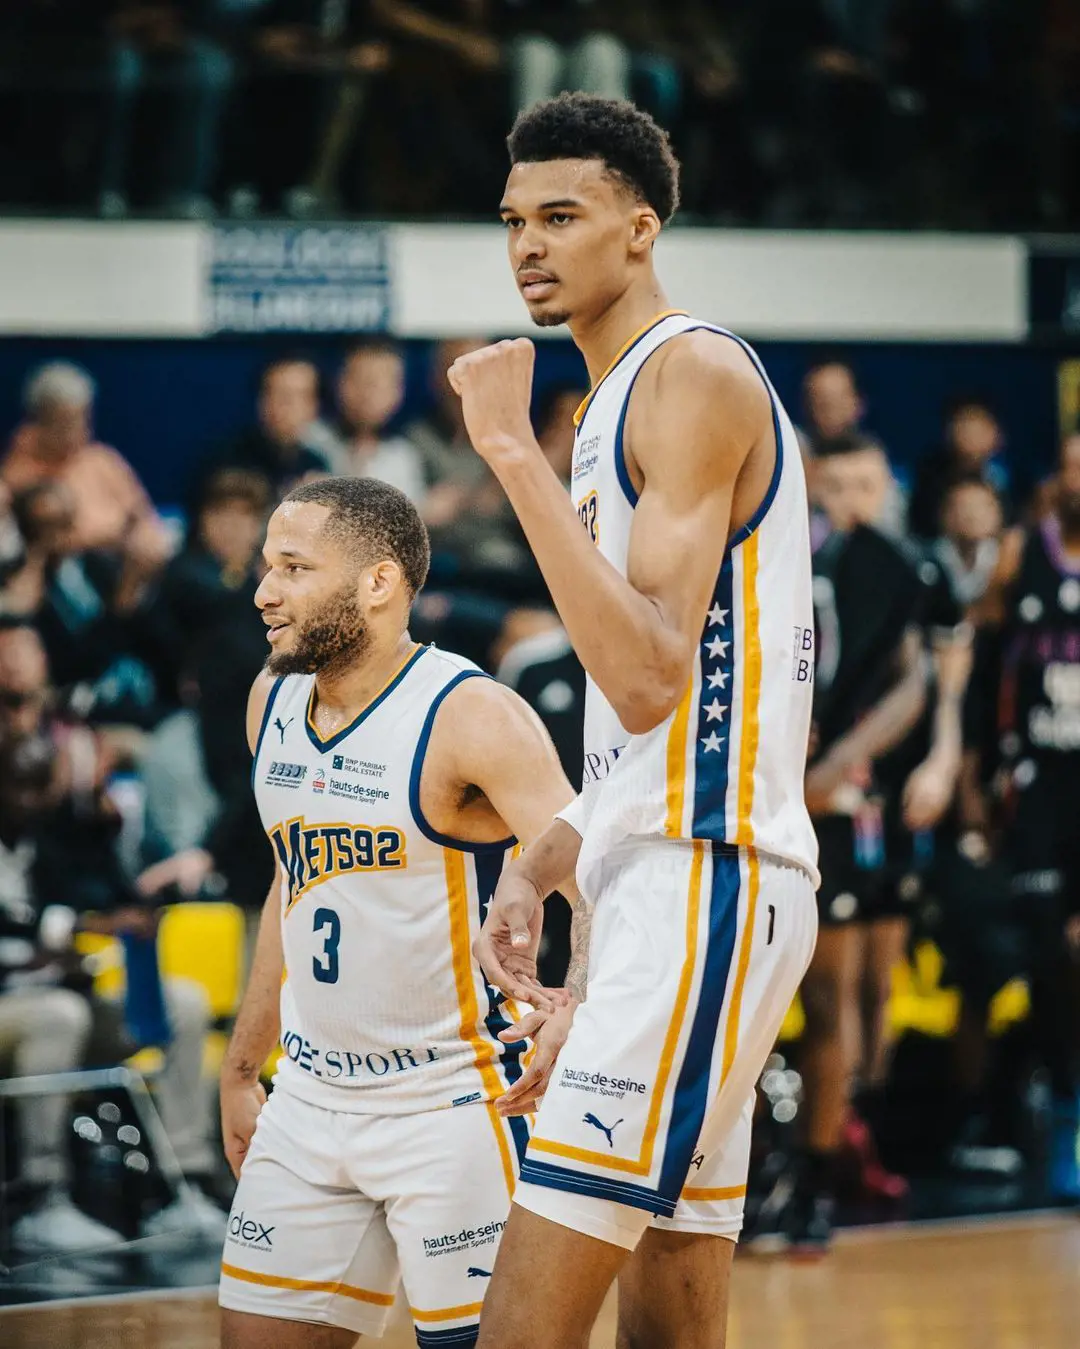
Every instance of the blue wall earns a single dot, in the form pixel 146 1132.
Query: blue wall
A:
pixel 165 403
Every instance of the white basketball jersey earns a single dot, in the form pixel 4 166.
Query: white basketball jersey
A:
pixel 727 765
pixel 383 1008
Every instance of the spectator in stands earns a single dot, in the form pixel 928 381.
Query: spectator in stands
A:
pixel 835 408
pixel 55 444
pixel 201 815
pixel 310 71
pixel 95 610
pixel 464 508
pixel 553 47
pixel 832 400
pixel 159 46
pixel 973 446
pixel 210 585
pixel 58 831
pixel 443 116
pixel 281 444
pixel 370 391
pixel 970 540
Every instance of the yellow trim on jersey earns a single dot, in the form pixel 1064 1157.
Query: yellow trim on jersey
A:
pixel 705 1194
pixel 448 1313
pixel 731 1032
pixel 643 1165
pixel 751 699
pixel 676 765
pixel 659 318
pixel 336 1289
pixel 457 892
pixel 325 739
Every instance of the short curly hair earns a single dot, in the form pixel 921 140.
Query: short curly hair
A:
pixel 372 520
pixel 632 147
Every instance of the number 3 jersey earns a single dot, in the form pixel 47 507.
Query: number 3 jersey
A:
pixel 383 1008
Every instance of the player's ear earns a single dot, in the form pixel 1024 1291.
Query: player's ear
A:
pixel 645 226
pixel 381 581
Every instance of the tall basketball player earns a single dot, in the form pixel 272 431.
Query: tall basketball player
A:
pixel 390 778
pixel 681 570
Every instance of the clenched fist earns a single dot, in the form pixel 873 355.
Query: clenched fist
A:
pixel 495 388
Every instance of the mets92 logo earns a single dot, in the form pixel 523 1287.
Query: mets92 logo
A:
pixel 588 508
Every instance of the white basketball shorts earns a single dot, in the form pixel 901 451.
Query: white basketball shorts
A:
pixel 335 1209
pixel 696 955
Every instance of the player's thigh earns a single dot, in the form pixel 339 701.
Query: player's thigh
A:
pixel 549 1284
pixel 673 1292
pixel 302 1243
pixel 241 1330
pixel 447 1180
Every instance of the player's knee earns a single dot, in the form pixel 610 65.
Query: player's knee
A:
pixel 632 1334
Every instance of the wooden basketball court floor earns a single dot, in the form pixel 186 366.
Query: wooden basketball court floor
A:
pixel 993 1284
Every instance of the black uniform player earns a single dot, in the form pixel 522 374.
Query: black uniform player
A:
pixel 870 690
pixel 1035 606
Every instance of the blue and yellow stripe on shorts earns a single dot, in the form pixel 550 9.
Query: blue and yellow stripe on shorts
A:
pixel 726 958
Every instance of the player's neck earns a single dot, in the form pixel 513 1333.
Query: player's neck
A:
pixel 353 689
pixel 601 339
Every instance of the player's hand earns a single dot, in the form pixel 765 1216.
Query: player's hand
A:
pixel 241 1103
pixel 495 388
pixel 548 1032
pixel 927 794
pixel 509 940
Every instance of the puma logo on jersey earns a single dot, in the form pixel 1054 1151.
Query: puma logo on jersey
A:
pixel 608 1130
pixel 311 854
pixel 474 1273
pixel 282 729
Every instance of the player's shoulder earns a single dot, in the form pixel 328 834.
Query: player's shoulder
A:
pixel 263 689
pixel 704 362
pixel 473 706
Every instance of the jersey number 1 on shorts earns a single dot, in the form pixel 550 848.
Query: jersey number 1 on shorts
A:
pixel 325 967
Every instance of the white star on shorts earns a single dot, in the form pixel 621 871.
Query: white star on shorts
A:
pixel 718 648
pixel 712 742
pixel 714 711
pixel 718 679
pixel 718 615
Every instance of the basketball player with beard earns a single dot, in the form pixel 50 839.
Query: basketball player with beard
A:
pixel 393 781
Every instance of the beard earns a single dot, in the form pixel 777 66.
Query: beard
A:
pixel 334 637
pixel 550 318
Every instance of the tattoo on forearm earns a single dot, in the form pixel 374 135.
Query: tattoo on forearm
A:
pixel 577 974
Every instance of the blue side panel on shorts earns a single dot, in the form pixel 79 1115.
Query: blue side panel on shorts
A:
pixel 599 1187
pixel 712 764
pixel 462 1337
pixel 489 868
pixel 691 1099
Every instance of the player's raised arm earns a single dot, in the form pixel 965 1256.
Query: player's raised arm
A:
pixel 696 414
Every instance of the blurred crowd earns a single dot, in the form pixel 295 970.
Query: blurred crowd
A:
pixel 944 762
pixel 948 113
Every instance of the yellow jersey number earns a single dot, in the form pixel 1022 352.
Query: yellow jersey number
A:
pixel 587 509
